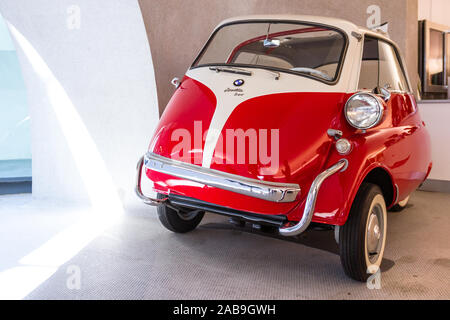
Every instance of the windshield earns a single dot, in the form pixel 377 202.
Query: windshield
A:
pixel 315 51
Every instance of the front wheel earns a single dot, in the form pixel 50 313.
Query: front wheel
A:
pixel 362 239
pixel 180 221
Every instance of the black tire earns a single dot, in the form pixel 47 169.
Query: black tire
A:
pixel 364 231
pixel 400 206
pixel 179 222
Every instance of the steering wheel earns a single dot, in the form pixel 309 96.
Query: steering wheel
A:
pixel 313 71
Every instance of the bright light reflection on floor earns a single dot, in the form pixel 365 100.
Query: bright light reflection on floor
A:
pixel 107 209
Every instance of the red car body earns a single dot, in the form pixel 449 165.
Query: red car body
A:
pixel 399 147
pixel 395 153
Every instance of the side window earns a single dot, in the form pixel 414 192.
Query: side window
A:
pixel 391 73
pixel 368 77
pixel 380 67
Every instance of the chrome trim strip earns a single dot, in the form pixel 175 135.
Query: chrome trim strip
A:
pixel 396 194
pixel 270 191
pixel 138 190
pixel 310 205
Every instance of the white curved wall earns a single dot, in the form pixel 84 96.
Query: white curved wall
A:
pixel 91 92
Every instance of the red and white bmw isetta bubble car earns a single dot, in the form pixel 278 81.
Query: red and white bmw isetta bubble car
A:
pixel 286 120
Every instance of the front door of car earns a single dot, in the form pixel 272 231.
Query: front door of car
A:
pixel 381 67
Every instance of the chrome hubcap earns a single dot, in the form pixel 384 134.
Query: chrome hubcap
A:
pixel 374 233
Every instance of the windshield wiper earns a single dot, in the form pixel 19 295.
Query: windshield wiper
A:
pixel 242 71
pixel 275 73
pixel 231 70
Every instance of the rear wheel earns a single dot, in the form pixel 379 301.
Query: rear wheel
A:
pixel 362 239
pixel 181 221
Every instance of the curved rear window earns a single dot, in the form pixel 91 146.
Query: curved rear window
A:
pixel 312 50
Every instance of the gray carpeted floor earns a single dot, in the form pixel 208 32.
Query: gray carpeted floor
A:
pixel 138 259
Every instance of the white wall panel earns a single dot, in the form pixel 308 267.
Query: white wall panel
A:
pixel 91 90
pixel 436 117
pixel 435 10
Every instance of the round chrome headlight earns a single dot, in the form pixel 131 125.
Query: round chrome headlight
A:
pixel 363 110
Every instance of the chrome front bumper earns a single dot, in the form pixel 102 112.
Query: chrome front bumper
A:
pixel 270 191
pixel 138 189
pixel 310 204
